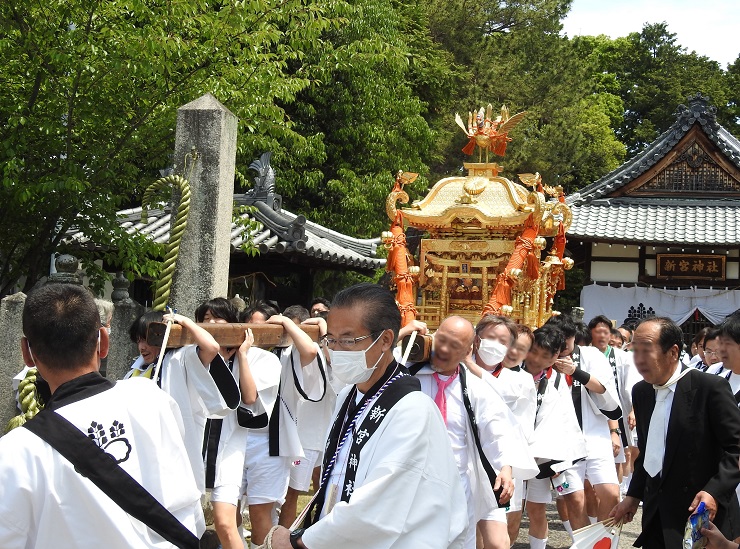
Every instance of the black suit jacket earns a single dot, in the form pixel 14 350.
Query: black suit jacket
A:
pixel 701 453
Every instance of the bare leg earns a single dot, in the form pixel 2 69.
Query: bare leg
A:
pixel 316 478
pixel 514 521
pixel 537 520
pixel 592 504
pixel 562 508
pixel 494 533
pixel 261 517
pixel 224 519
pixel 289 508
pixel 608 498
pixel 576 509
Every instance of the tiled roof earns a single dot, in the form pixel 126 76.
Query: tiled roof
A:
pixel 658 221
pixel 280 232
pixel 708 222
pixel 699 111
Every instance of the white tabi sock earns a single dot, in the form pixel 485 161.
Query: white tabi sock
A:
pixel 536 543
pixel 568 528
pixel 592 520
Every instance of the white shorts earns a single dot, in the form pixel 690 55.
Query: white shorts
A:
pixel 302 470
pixel 265 477
pixel 226 494
pixel 599 470
pixel 496 515
pixel 539 490
pixel 515 503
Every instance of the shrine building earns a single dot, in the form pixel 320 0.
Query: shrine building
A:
pixel 660 235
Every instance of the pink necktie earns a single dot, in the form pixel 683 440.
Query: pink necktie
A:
pixel 440 399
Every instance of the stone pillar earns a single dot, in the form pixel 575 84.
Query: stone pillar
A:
pixel 202 272
pixel 11 360
pixel 122 350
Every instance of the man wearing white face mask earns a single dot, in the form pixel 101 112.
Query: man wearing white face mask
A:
pixel 389 477
pixel 488 444
pixel 495 335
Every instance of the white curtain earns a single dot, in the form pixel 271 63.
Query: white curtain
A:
pixel 678 305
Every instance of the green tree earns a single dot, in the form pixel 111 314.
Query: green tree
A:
pixel 653 74
pixel 518 58
pixel 365 115
pixel 88 97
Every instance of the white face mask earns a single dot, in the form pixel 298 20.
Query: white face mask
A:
pixel 491 352
pixel 350 367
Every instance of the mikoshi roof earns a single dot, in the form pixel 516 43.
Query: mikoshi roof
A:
pixel 692 220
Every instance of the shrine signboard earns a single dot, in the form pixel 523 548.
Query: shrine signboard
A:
pixel 691 266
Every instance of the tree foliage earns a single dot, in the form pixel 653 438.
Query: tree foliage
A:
pixel 343 93
pixel 653 74
pixel 88 97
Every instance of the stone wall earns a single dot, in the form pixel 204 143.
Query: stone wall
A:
pixel 11 360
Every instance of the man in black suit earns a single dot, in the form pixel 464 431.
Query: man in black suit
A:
pixel 693 454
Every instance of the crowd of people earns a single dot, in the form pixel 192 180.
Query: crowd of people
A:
pixel 445 451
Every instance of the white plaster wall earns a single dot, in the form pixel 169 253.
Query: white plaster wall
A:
pixel 613 271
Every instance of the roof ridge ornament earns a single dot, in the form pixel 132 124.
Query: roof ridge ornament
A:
pixel 264 184
pixel 699 108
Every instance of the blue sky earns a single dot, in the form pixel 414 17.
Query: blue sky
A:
pixel 709 27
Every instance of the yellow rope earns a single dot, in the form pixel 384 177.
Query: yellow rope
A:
pixel 29 400
pixel 162 293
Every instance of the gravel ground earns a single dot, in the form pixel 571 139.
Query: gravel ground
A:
pixel 559 538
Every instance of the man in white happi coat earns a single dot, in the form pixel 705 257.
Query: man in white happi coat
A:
pixel 557 443
pixel 596 404
pixel 499 349
pixel 625 377
pixel 44 501
pixel 489 447
pixel 195 376
pixel 314 419
pixel 389 478
pixel 302 377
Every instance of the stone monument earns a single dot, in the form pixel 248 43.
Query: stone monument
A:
pixel 206 135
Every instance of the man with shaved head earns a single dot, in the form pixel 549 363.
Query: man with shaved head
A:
pixel 487 443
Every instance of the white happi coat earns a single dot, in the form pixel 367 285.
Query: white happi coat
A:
pixel 595 423
pixel 186 380
pixel 311 382
pixel 232 444
pixel 502 441
pixel 627 376
pixel 407 492
pixel 315 418
pixel 516 388
pixel 45 503
pixel 557 435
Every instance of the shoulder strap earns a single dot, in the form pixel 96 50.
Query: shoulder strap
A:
pixel 394 393
pixel 99 467
pixel 487 467
pixel 297 383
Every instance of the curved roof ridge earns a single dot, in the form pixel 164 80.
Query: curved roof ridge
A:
pixel 698 111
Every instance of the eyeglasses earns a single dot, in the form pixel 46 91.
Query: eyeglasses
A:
pixel 345 343
pixel 711 353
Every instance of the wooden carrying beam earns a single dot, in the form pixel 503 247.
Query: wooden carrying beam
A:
pixel 227 335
